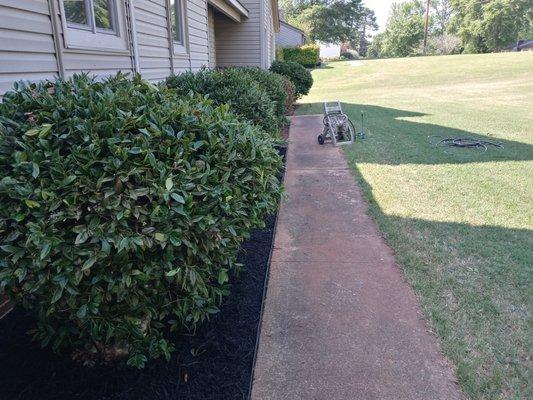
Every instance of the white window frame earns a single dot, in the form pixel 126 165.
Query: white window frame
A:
pixel 78 36
pixel 178 47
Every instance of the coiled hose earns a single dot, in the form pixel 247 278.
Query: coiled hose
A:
pixel 463 142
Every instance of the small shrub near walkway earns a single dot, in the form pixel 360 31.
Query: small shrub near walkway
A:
pixel 123 209
pixel 298 75
pixel 274 86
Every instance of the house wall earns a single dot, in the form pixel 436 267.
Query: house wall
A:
pixel 197 33
pixel 239 43
pixel 289 37
pixel 211 37
pixel 27 50
pixel 32 44
pixel 153 39
pixel 269 37
pixel 249 43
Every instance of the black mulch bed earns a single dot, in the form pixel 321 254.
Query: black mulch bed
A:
pixel 216 363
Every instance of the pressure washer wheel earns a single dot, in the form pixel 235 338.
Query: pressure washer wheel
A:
pixel 320 139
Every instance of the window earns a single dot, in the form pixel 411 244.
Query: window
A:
pixel 177 26
pixel 96 15
pixel 94 24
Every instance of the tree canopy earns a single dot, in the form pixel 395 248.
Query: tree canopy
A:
pixel 455 26
pixel 330 21
pixel 489 25
pixel 473 26
pixel 405 29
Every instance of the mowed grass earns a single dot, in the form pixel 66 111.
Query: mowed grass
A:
pixel 461 223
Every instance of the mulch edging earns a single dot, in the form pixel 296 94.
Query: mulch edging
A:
pixel 215 363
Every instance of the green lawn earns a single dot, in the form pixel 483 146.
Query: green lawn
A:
pixel 461 224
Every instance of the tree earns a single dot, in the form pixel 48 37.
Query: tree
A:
pixel 333 22
pixel 405 29
pixel 491 24
pixel 368 23
pixel 444 44
pixel 293 8
pixel 442 12
pixel 375 49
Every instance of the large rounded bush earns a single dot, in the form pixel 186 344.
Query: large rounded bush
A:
pixel 300 76
pixel 231 86
pixel 123 209
pixel 272 84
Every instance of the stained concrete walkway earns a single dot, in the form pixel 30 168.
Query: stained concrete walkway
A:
pixel 340 322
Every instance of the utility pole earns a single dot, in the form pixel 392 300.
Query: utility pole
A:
pixel 426 28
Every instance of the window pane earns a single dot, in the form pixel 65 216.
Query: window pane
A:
pixel 103 14
pixel 75 11
pixel 177 26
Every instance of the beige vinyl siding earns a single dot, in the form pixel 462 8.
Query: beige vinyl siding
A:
pixel 27 50
pixel 153 39
pixel 157 58
pixel 197 32
pixel 268 20
pixel 240 43
pixel 211 37
pixel 289 36
pixel 32 43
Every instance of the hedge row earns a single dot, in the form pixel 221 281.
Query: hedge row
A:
pixel 307 55
pixel 296 73
pixel 124 204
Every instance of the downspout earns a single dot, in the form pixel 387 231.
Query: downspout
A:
pixel 57 42
pixel 262 25
pixel 133 36
pixel 170 41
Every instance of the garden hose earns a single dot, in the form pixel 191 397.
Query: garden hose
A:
pixel 463 142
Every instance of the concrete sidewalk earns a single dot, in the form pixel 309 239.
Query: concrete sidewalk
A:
pixel 340 321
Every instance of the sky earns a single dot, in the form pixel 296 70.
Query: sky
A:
pixel 381 8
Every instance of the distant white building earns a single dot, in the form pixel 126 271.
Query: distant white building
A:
pixel 289 36
pixel 328 50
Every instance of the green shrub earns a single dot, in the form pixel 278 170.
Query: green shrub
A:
pixel 235 87
pixel 279 53
pixel 349 54
pixel 290 90
pixel 307 55
pixel 123 209
pixel 272 84
pixel 301 77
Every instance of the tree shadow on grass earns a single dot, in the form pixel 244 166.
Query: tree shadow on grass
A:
pixel 396 140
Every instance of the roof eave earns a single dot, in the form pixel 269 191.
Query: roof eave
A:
pixel 232 9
